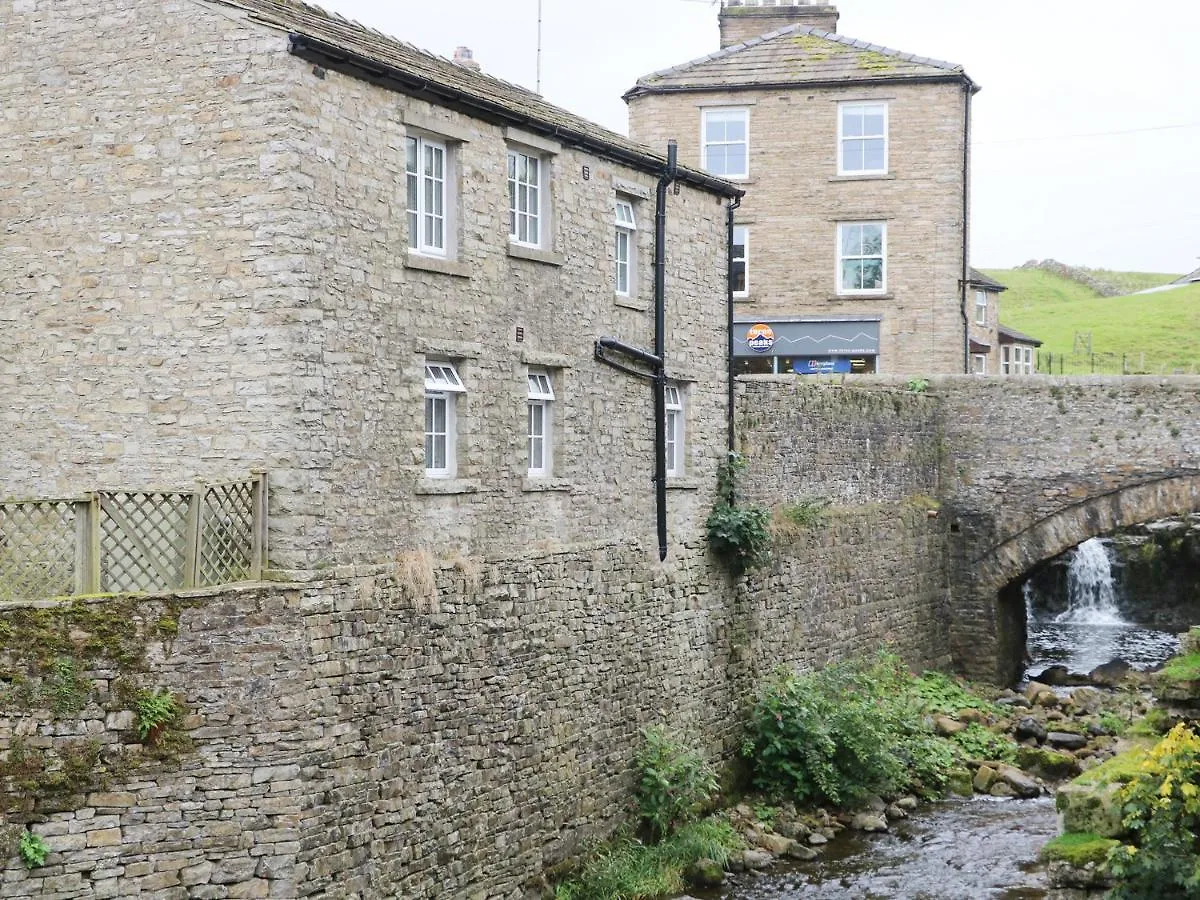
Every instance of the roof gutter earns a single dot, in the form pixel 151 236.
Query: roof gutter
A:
pixel 639 90
pixel 357 66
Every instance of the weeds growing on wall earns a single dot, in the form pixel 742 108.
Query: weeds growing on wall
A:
pixel 32 849
pixel 738 532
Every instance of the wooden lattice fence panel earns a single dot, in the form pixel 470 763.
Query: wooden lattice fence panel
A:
pixel 143 541
pixel 37 549
pixel 134 541
pixel 227 533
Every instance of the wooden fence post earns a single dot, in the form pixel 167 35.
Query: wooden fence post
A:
pixel 191 545
pixel 258 518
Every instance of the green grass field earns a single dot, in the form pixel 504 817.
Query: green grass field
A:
pixel 1154 333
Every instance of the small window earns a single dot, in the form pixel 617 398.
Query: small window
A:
pixel 626 248
pixel 979 363
pixel 1007 360
pixel 981 307
pixel 862 258
pixel 863 139
pixel 726 142
pixel 427 175
pixel 675 434
pixel 526 174
pixel 739 274
pixel 442 387
pixel 541 400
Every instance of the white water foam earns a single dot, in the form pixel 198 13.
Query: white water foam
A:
pixel 1091 592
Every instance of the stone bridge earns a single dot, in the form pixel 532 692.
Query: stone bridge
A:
pixel 1026 468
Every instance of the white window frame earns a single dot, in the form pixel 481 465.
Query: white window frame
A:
pixel 744 259
pixel 862 292
pixel 705 143
pixel 843 139
pixel 981 307
pixel 625 247
pixel 429 188
pixel 1016 359
pixel 531 215
pixel 676 431
pixel 979 363
pixel 442 387
pixel 540 405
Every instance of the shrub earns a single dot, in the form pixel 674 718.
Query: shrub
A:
pixel 674 783
pixel 1161 807
pixel 843 733
pixel 154 712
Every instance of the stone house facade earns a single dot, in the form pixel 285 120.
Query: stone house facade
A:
pixel 851 244
pixel 253 235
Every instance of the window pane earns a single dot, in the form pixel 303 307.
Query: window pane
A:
pixel 735 159
pixel 872 240
pixel 852 240
pixel 410 164
pixel 873 123
pixel 739 277
pixel 872 274
pixel 852 275
pixel 412 228
pixel 873 160
pixel 852 123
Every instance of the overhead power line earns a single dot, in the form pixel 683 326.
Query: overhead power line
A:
pixel 1091 134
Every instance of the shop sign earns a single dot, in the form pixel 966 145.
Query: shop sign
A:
pixel 760 338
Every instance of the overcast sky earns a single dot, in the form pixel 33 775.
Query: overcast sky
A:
pixel 1087 132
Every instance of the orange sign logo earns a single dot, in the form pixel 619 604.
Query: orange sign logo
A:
pixel 760 338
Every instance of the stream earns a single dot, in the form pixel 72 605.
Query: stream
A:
pixel 983 848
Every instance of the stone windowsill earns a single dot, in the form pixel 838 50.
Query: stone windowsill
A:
pixel 547 360
pixel 884 176
pixel 436 264
pixel 837 298
pixel 546 485
pixel 744 298
pixel 632 303
pixel 683 483
pixel 536 254
pixel 443 487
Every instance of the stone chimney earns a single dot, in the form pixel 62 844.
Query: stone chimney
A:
pixel 744 19
pixel 465 58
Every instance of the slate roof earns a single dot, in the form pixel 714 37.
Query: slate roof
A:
pixel 980 280
pixel 796 55
pixel 1012 336
pixel 346 46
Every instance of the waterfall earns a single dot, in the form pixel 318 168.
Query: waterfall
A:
pixel 1091 593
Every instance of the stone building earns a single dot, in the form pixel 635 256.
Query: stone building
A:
pixel 246 234
pixel 852 242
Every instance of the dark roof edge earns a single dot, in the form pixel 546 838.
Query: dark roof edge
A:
pixel 639 90
pixel 1011 335
pixel 979 279
pixel 357 66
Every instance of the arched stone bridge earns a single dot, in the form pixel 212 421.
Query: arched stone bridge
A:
pixel 1035 466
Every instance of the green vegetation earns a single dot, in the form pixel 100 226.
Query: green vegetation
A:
pixel 802 514
pixel 737 532
pixel 1120 769
pixel 845 732
pixel 918 385
pixel 33 850
pixel 1079 849
pixel 1182 669
pixel 937 692
pixel 155 710
pixel 674 783
pixel 1161 807
pixel 979 743
pixel 627 869
pixel 1154 332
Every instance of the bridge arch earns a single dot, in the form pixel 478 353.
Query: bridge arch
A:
pixel 989 630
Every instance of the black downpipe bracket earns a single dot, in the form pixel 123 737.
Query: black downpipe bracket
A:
pixel 660 344
pixel 729 413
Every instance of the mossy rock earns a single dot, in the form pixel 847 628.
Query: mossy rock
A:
pixel 1090 808
pixel 960 783
pixel 1048 764
pixel 1079 849
pixel 1120 769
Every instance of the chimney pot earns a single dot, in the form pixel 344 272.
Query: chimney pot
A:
pixel 465 58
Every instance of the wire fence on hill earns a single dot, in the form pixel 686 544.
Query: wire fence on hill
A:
pixel 1110 364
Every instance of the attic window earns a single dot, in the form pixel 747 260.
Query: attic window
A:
pixel 727 142
pixel 862 139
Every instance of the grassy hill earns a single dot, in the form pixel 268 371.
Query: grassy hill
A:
pixel 1156 333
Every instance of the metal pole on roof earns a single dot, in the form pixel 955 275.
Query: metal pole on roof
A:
pixel 539 48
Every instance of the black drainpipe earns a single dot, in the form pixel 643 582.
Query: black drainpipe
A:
pixel 732 438
pixel 660 344
pixel 968 89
